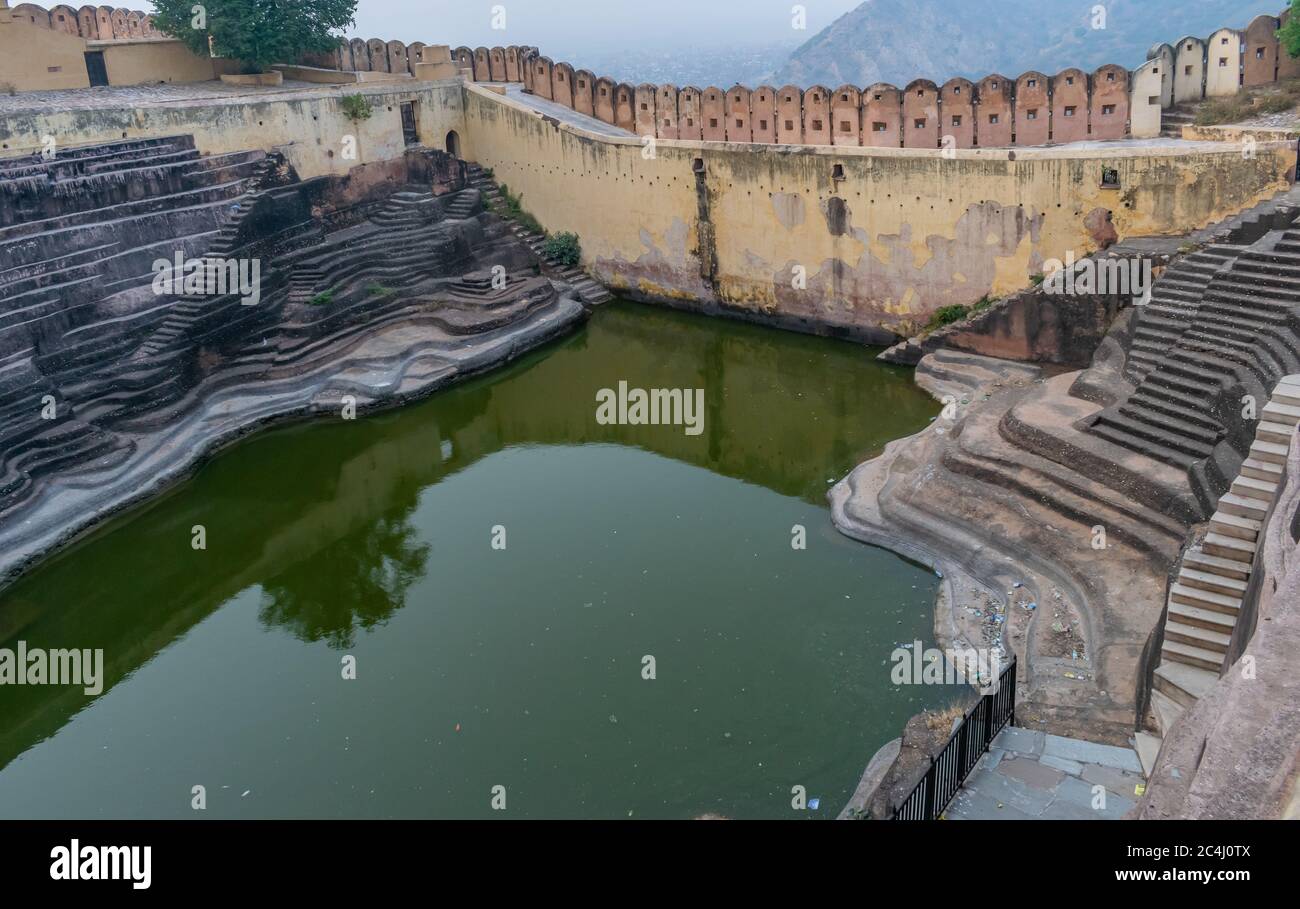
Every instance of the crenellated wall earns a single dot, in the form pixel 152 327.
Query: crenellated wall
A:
pixel 1034 109
pixel 861 242
pixel 94 23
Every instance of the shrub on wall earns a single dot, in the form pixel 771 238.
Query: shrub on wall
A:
pixel 356 107
pixel 256 34
pixel 564 248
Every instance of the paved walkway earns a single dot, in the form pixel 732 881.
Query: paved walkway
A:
pixel 515 92
pixel 1030 775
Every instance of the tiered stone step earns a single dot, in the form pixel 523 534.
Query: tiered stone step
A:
pixel 590 291
pixel 1206 597
pixel 405 210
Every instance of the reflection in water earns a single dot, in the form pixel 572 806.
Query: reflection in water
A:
pixel 371 537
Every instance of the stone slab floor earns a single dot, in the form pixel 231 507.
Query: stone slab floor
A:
pixel 1029 775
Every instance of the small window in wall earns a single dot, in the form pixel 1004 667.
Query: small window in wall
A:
pixel 667 122
pixel 788 99
pixel 878 127
pixel 844 97
pixel 1109 178
pixel 837 172
pixel 54 69
pixel 739 123
pixel 993 118
pixel 582 83
pixel 1069 80
pixel 879 96
pixel 1189 46
pixel 622 96
pixel 1187 70
pixel 713 123
pixel 1031 114
pixel 1069 111
pixel 1259 53
pixel 844 126
pixel 690 121
pixel 604 92
pixel 817 126
pixel 956 90
pixel 1224 41
pixel 1033 83
pixel 993 85
pixel 918 123
pixel 1153 99
pixel 1110 77
pixel 1107 109
pixel 789 125
pixel 1223 61
pixel 698 165
pixel 541 69
pixel 920 93
pixel 816 97
pixel 559 77
pixel 644 106
pixel 956 121
pixel 762 124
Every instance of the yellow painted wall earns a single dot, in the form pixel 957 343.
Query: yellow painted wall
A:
pixel 308 126
pixel 918 231
pixel 149 61
pixel 28 53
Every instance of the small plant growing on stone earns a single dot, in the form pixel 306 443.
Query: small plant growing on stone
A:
pixel 514 210
pixel 982 304
pixel 946 315
pixel 379 290
pixel 356 107
pixel 564 248
pixel 324 298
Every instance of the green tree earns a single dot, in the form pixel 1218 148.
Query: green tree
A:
pixel 255 32
pixel 1290 33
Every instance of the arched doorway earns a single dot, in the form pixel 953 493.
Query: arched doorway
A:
pixel 453 144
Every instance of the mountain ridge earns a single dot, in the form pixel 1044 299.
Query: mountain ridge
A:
pixel 897 41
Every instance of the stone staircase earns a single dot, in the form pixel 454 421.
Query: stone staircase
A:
pixel 79 233
pixel 1206 596
pixel 591 292
pixel 1173 119
pixel 1195 357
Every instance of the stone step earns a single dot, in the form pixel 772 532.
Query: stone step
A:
pixel 1199 560
pixel 1251 488
pixel 1265 471
pixel 1204 599
pixel 1147 747
pixel 1287 393
pixel 1214 583
pixel 1185 684
pixel 1209 619
pixel 1167 711
pixel 1278 433
pixel 1242 507
pixel 1231 525
pixel 1190 655
pixel 1229 547
pixel 1269 451
pixel 1282 414
pixel 1198 637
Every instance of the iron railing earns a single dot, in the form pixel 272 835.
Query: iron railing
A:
pixel 950 767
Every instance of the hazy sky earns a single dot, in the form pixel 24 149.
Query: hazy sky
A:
pixel 607 24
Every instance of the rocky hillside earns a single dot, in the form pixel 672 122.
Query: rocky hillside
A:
pixel 900 40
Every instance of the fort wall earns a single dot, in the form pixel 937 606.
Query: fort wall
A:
pixel 881 237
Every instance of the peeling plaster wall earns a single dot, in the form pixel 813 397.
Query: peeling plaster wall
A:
pixel 904 231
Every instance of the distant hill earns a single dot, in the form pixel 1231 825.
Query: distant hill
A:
pixel 901 40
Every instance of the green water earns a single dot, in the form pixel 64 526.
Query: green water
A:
pixel 479 667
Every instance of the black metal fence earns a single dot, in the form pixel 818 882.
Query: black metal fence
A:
pixel 949 769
